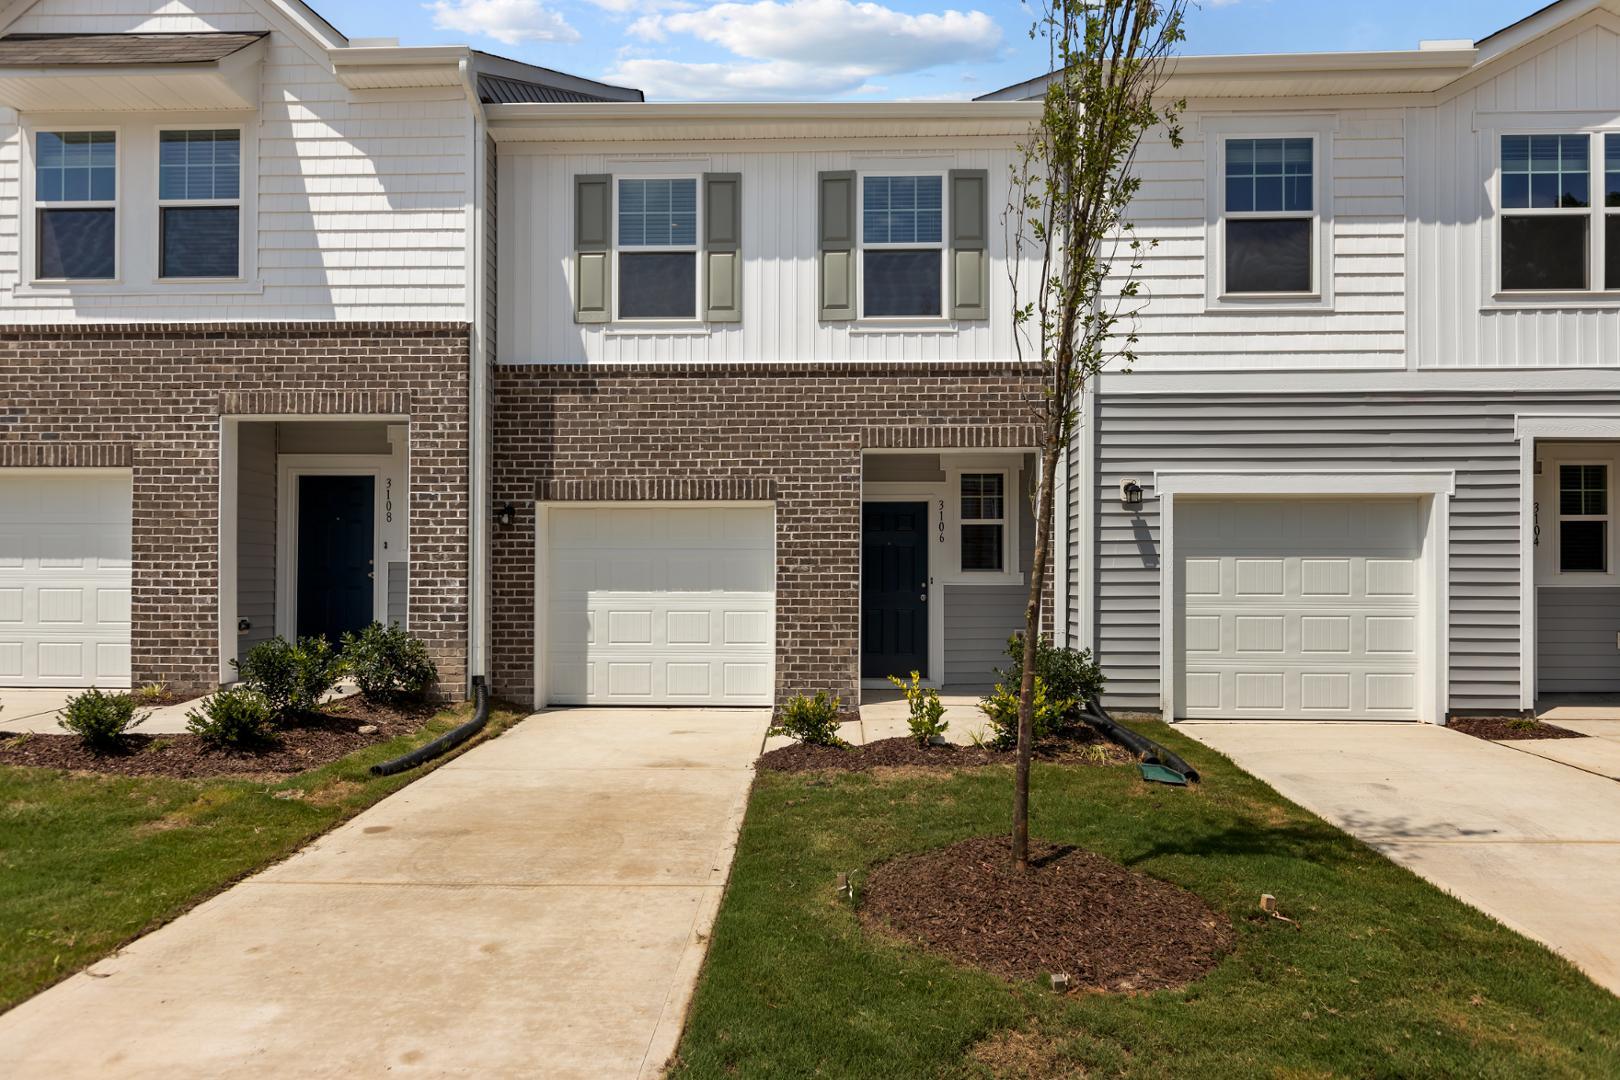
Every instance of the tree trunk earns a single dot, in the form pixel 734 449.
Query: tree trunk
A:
pixel 1044 493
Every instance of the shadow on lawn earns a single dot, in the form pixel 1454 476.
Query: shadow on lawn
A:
pixel 1319 843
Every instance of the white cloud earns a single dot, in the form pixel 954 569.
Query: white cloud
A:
pixel 511 21
pixel 838 32
pixel 805 48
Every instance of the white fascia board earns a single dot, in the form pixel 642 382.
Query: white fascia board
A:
pixel 1305 482
pixel 1567 426
pixel 637 121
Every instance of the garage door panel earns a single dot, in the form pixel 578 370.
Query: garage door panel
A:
pixel 661 605
pixel 1299 608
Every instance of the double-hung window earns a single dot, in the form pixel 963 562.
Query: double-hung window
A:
pixel 1583 519
pixel 984 521
pixel 1546 212
pixel 199 203
pixel 902 246
pixel 1270 216
pixel 1611 211
pixel 657 256
pixel 76 205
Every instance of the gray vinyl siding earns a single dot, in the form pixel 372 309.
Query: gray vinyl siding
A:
pixel 1470 433
pixel 980 618
pixel 1577 651
pixel 256 534
pixel 333 437
pixel 398 593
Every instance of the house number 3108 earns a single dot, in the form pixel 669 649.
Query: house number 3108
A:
pixel 942 521
pixel 388 499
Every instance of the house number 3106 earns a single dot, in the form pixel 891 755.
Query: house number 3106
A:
pixel 942 521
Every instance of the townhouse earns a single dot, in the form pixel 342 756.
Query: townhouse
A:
pixel 1364 466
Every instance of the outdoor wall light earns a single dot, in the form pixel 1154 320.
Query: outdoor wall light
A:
pixel 1130 492
pixel 506 514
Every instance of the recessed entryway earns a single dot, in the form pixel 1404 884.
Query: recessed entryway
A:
pixel 65 577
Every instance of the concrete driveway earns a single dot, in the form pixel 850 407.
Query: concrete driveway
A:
pixel 1528 840
pixel 538 907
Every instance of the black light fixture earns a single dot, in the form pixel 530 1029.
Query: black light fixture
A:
pixel 1130 492
pixel 506 515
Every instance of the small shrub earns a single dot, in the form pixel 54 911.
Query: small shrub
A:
pixel 1069 674
pixel 387 664
pixel 927 716
pixel 1051 714
pixel 151 694
pixel 99 719
pixel 291 677
pixel 809 720
pixel 234 719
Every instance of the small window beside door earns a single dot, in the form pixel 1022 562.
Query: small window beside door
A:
pixel 1583 519
pixel 984 521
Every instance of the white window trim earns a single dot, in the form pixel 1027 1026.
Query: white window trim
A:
pixel 32 205
pixel 1554 467
pixel 696 319
pixel 240 203
pixel 1011 553
pixel 1217 131
pixel 862 247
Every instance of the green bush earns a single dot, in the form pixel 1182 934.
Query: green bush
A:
pixel 99 719
pixel 926 718
pixel 810 720
pixel 388 664
pixel 232 719
pixel 1070 674
pixel 291 677
pixel 1051 714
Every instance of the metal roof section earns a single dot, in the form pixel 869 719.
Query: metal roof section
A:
pixel 503 81
pixel 131 72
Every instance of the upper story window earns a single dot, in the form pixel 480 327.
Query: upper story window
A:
pixel 657 256
pixel 1270 216
pixel 984 521
pixel 1546 193
pixel 902 246
pixel 199 203
pixel 76 205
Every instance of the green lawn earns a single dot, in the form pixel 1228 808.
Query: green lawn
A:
pixel 88 863
pixel 1389 977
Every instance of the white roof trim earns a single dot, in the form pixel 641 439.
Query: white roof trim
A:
pixel 632 121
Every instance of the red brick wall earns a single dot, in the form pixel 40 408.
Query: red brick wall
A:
pixel 150 397
pixel 791 433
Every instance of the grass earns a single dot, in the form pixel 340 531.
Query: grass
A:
pixel 1388 977
pixel 88 863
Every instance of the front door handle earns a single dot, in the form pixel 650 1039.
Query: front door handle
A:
pixel 923 598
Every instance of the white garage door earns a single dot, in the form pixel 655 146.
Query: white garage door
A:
pixel 1306 608
pixel 64 579
pixel 661 606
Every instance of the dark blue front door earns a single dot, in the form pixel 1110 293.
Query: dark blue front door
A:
pixel 894 589
pixel 336 546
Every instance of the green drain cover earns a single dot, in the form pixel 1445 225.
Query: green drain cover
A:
pixel 1159 774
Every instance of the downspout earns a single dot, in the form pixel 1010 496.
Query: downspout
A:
pixel 478 434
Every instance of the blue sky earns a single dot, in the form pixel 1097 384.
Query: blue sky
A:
pixel 868 50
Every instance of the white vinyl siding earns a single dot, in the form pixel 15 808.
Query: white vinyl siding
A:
pixel 362 198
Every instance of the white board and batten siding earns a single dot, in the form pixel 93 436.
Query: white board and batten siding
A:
pixel 361 198
pixel 659 605
pixel 781 252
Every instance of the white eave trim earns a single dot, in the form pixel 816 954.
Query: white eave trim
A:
pixel 1306 482
pixel 394 68
pixel 617 121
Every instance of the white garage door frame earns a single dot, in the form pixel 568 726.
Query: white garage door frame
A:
pixel 126 476
pixel 1433 489
pixel 542 589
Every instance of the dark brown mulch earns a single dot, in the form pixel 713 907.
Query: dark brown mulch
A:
pixel 1074 912
pixel 1078 748
pixel 309 742
pixel 1510 727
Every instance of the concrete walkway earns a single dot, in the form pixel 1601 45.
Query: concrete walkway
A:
pixel 1530 841
pixel 538 907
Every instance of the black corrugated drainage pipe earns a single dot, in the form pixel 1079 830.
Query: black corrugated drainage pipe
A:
pixel 446 742
pixel 1144 748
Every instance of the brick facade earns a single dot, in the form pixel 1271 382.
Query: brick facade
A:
pixel 149 397
pixel 783 432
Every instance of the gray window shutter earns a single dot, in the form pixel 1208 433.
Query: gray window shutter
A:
pixel 837 224
pixel 593 242
pixel 722 247
pixel 970 232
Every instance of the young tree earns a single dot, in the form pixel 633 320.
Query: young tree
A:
pixel 1071 187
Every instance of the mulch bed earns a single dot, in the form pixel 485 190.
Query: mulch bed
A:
pixel 309 742
pixel 1497 728
pixel 1077 748
pixel 1074 912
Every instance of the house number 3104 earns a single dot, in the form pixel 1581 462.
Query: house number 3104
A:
pixel 942 521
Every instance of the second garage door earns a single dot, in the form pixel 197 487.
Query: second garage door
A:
pixel 660 605
pixel 1301 608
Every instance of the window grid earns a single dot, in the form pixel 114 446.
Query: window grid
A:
pixel 658 213
pixel 75 167
pixel 903 211
pixel 983 521
pixel 1270 176
pixel 1583 517
pixel 200 166
pixel 1546 172
pixel 75 219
